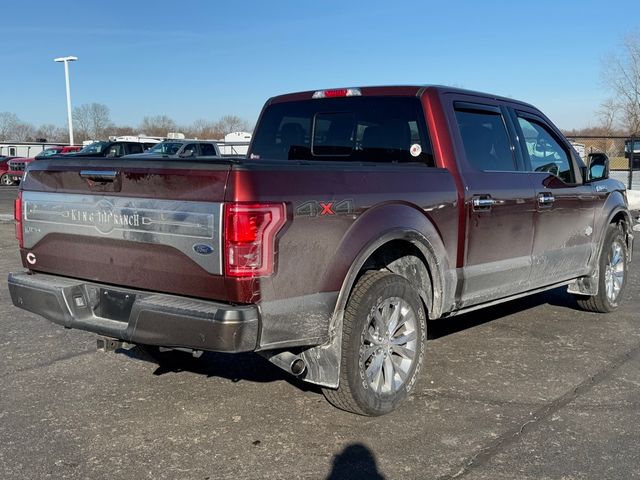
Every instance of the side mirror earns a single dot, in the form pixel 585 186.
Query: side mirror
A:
pixel 598 166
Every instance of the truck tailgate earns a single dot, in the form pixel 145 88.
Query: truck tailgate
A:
pixel 148 224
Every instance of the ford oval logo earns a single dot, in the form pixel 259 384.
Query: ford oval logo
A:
pixel 203 249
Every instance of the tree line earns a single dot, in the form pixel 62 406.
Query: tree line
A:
pixel 92 121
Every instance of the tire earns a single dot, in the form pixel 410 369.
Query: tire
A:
pixel 381 352
pixel 613 263
pixel 6 181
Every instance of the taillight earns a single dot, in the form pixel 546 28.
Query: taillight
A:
pixel 17 215
pixel 249 237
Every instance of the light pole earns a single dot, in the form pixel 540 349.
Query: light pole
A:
pixel 66 61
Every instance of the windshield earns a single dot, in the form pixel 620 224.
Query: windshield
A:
pixel 95 147
pixel 166 148
pixel 48 152
pixel 362 129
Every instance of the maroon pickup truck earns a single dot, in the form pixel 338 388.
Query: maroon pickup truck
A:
pixel 357 216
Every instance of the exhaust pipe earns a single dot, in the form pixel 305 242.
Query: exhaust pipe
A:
pixel 287 361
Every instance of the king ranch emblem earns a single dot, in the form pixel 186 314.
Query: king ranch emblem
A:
pixel 105 219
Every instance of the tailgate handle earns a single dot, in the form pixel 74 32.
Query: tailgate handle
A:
pixel 99 175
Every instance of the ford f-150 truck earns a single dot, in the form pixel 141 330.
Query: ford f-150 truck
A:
pixel 358 216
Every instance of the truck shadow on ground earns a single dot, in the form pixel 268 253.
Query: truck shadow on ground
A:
pixel 355 462
pixel 251 367
pixel 557 297
pixel 237 367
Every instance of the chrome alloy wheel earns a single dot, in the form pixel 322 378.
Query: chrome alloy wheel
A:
pixel 614 271
pixel 6 180
pixel 388 345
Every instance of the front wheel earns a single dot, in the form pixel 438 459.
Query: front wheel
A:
pixel 383 342
pixel 612 280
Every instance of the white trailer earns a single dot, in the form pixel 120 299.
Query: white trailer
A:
pixel 25 149
pixel 235 143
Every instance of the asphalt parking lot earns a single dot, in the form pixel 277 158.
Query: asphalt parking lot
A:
pixel 533 389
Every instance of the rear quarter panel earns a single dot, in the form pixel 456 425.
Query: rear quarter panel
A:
pixel 335 212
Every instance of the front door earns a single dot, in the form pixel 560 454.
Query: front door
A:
pixel 564 218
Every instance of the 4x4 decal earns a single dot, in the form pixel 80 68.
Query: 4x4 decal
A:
pixel 314 208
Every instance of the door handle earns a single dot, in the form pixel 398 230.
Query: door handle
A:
pixel 546 199
pixel 99 175
pixel 482 203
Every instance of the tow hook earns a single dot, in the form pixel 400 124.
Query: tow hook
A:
pixel 108 344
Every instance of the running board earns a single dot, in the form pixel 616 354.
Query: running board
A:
pixel 508 299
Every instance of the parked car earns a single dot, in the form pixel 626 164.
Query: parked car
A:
pixel 358 215
pixel 633 153
pixel 16 167
pixel 184 148
pixel 6 176
pixel 59 150
pixel 112 149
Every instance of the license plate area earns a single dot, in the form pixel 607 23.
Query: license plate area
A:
pixel 115 305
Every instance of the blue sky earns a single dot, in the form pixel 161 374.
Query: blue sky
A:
pixel 192 60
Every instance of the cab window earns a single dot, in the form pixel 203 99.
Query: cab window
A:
pixel 544 152
pixel 486 142
pixel 207 149
pixel 359 129
pixel 116 150
pixel 135 148
pixel 191 147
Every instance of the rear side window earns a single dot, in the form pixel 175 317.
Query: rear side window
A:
pixel 135 148
pixel 485 139
pixel 362 129
pixel 207 149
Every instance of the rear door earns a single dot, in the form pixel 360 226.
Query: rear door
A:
pixel 565 206
pixel 498 203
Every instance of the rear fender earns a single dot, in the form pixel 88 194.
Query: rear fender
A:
pixel 373 229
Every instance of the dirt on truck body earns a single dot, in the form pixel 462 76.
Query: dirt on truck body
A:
pixel 358 216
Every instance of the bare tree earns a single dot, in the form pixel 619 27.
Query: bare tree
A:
pixel 91 121
pixel 51 133
pixel 157 125
pixel 621 74
pixel 119 130
pixel 23 132
pixel 203 129
pixel 232 123
pixel 82 123
pixel 607 114
pixel 8 122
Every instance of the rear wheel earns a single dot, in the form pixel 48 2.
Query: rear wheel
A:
pixel 6 180
pixel 383 341
pixel 613 274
